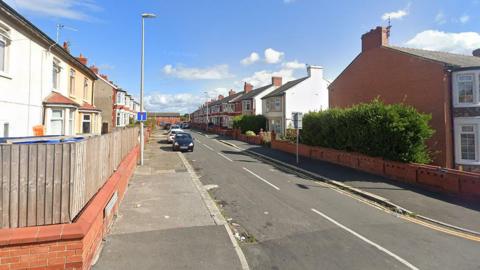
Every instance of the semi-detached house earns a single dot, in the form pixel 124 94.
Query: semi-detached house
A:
pixel 252 98
pixel 442 84
pixel 43 83
pixel 303 95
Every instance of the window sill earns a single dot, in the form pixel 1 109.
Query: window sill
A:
pixel 5 75
pixel 466 105
pixel 467 162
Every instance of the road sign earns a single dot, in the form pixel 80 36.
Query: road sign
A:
pixel 142 116
pixel 297 118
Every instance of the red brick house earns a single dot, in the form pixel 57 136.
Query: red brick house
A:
pixel 416 77
pixel 165 117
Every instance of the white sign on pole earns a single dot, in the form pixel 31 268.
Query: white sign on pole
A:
pixel 297 118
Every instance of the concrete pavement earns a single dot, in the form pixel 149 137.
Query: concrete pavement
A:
pixel 296 223
pixel 164 222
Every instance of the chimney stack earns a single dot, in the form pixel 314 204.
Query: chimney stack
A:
pixel 94 69
pixel 104 76
pixel 66 46
pixel 476 53
pixel 375 38
pixel 277 81
pixel 82 59
pixel 247 87
pixel 231 92
pixel 220 97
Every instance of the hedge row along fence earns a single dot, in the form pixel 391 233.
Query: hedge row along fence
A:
pixel 431 177
pixel 395 132
pixel 254 123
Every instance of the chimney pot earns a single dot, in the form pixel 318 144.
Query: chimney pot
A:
pixel 94 69
pixel 277 81
pixel 220 97
pixel 375 38
pixel 82 59
pixel 231 92
pixel 66 46
pixel 247 87
pixel 476 53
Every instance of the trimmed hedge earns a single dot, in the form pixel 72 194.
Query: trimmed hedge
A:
pixel 250 122
pixel 395 132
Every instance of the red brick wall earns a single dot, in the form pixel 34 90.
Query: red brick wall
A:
pixel 398 77
pixel 67 246
pixel 170 120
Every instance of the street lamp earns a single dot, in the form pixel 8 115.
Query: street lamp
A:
pixel 142 146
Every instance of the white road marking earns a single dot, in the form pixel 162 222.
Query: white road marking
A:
pixel 259 177
pixel 225 157
pixel 208 147
pixel 386 251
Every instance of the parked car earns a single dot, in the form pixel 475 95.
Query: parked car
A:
pixel 167 126
pixel 172 133
pixel 172 127
pixel 183 142
pixel 185 126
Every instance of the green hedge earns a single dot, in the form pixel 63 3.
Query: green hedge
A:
pixel 394 132
pixel 250 122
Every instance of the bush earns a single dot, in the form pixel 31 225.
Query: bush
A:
pixel 395 132
pixel 250 133
pixel 250 122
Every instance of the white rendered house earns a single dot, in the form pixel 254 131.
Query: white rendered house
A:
pixel 302 95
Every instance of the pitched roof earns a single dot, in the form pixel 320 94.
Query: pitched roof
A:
pixel 256 91
pixel 31 28
pixel 57 98
pixel 457 60
pixel 279 91
pixel 88 107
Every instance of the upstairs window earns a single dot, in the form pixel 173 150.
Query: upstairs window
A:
pixel 465 86
pixel 247 105
pixel 85 89
pixel 4 42
pixel 278 104
pixel 71 88
pixel 56 74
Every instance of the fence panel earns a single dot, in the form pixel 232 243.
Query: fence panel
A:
pixel 45 184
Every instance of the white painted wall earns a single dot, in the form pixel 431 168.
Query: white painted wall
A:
pixel 307 96
pixel 258 99
pixel 25 84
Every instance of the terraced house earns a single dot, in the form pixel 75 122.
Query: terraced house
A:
pixel 47 87
pixel 441 84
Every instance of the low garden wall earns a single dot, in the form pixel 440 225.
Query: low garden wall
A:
pixel 432 177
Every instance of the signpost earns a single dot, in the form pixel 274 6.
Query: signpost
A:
pixel 141 116
pixel 297 118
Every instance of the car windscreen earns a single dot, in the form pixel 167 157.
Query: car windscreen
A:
pixel 183 136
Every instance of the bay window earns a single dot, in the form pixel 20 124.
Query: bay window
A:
pixel 56 122
pixel 86 123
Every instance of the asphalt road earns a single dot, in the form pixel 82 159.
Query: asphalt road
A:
pixel 296 223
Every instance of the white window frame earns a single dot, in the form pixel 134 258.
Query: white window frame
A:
pixel 279 99
pixel 460 122
pixel 61 119
pixel 71 82
pixel 5 39
pixel 85 89
pixel 71 121
pixel 457 85
pixel 476 88
pixel 56 70
pixel 87 121
pixel 247 105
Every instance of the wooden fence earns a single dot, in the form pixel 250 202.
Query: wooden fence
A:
pixel 51 183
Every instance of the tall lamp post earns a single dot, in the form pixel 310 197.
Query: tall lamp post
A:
pixel 142 146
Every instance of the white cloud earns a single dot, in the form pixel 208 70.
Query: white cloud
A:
pixel 463 42
pixel 252 58
pixel 272 56
pixel 209 73
pixel 264 77
pixel 69 9
pixel 293 65
pixel 440 18
pixel 394 15
pixel 464 18
pixel 182 102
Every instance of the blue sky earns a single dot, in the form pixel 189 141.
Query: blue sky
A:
pixel 195 46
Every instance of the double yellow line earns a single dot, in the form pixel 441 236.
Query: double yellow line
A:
pixel 443 229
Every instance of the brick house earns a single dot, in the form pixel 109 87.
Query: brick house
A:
pixel 419 78
pixel 165 117
pixel 252 101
